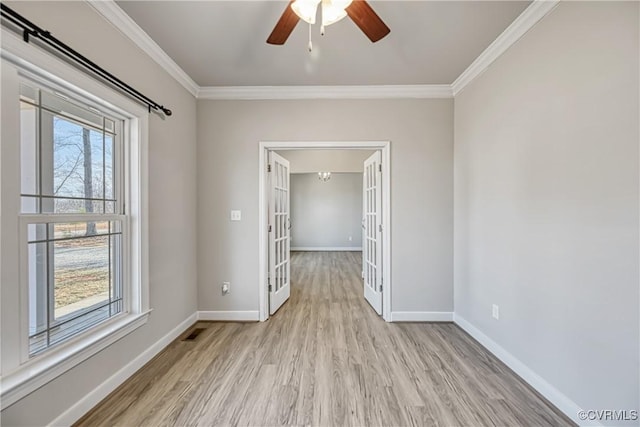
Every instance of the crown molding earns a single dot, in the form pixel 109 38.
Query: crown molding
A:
pixel 127 26
pixel 325 92
pixel 537 10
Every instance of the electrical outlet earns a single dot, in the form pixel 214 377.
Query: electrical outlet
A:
pixel 495 312
pixel 226 287
pixel 236 216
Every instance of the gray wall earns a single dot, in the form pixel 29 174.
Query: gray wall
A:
pixel 326 214
pixel 546 202
pixel 421 135
pixel 172 204
pixel 546 197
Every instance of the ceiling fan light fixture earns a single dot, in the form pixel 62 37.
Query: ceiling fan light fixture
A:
pixel 333 11
pixel 306 10
pixel 360 12
pixel 342 4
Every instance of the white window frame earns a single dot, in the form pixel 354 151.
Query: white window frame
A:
pixel 27 219
pixel 20 374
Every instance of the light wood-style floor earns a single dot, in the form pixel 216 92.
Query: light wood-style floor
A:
pixel 325 358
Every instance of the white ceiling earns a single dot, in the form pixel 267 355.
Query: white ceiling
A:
pixel 222 43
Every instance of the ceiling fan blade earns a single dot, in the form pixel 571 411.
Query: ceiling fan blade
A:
pixel 284 27
pixel 367 20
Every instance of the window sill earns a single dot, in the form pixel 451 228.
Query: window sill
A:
pixel 42 369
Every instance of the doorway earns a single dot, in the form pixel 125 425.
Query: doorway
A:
pixel 379 280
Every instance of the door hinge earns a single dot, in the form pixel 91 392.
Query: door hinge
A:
pixel 268 168
pixel 269 229
pixel 380 288
pixel 379 167
pixel 380 227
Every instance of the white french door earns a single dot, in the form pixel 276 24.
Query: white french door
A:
pixel 372 231
pixel 279 232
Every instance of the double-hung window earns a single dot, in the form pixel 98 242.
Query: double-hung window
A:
pixel 72 214
pixel 73 254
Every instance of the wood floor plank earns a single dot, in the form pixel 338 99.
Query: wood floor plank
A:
pixel 325 358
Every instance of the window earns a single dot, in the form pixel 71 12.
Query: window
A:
pixel 71 203
pixel 73 218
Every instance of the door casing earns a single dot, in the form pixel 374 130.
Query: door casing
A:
pixel 385 150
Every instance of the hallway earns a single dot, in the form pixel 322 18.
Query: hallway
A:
pixel 325 358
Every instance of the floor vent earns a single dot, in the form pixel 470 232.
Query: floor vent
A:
pixel 194 334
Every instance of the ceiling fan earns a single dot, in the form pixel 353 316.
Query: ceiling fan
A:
pixel 332 11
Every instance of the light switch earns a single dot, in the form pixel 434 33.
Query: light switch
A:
pixel 236 215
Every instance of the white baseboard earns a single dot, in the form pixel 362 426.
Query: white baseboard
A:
pixel 230 316
pixel 421 316
pixel 553 395
pixel 327 249
pixel 83 406
pixel 561 401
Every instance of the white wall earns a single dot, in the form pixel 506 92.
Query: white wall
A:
pixel 172 204
pixel 308 161
pixel 546 202
pixel 326 214
pixel 421 138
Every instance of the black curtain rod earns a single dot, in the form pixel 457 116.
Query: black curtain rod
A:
pixel 29 29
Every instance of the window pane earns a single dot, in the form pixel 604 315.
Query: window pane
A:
pixel 28 154
pixel 38 309
pixel 75 278
pixel 62 205
pixel 96 168
pixel 36 232
pixel 73 158
pixel 108 167
pixel 72 178
pixel 79 229
pixel 74 325
pixel 81 275
pixel 67 165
